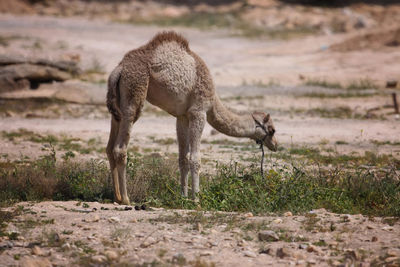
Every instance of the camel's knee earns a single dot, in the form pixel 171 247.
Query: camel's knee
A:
pixel 194 164
pixel 119 154
pixel 110 152
pixel 183 162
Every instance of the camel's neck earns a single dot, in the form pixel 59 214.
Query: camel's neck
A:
pixel 229 123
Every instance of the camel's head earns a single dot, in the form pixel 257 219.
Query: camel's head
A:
pixel 265 130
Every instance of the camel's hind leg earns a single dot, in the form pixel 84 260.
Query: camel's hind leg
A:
pixel 133 95
pixel 196 126
pixel 113 166
pixel 182 129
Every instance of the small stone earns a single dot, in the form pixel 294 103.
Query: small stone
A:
pixel 148 242
pixel 143 207
pixel 268 236
pixel 370 226
pixel 248 215
pixel 206 253
pixel 387 228
pixel 99 259
pixel 199 227
pixel 352 254
pixel 283 252
pixel 66 247
pixel 277 221
pixel 94 209
pixel 391 259
pixel 393 253
pixel 114 220
pixel 94 218
pixel 128 208
pixel 36 250
pixel 137 207
pixel 179 259
pixel 391 84
pixel 288 214
pixel 250 254
pixel 345 217
pixel 242 243
pixel 268 251
pixel 374 239
pixel 312 261
pixel 298 255
pixel 111 255
pixel 116 204
pixel 312 248
pixel 303 246
pixel 336 263
pixel 134 220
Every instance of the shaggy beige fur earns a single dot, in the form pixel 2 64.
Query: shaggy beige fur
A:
pixel 168 74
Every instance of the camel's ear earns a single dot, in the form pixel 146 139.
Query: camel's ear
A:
pixel 259 117
pixel 266 118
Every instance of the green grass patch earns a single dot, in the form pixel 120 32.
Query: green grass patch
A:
pixel 355 189
pixel 360 84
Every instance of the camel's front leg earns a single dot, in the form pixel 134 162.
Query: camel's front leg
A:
pixel 196 126
pixel 120 152
pixel 182 130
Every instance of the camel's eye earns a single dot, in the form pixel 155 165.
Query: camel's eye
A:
pixel 271 130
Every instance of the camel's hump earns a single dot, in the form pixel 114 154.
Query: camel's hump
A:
pixel 170 36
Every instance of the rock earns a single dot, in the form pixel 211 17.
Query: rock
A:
pixel 94 218
pixel 312 248
pixel 345 217
pixel 148 242
pixel 299 255
pixel 370 226
pixel 242 243
pixel 277 221
pixel 393 252
pixel 303 246
pixel 199 227
pixel 36 250
pixel 374 239
pixel 268 236
pixel 250 254
pixel 111 255
pixel 128 208
pixel 288 214
pixel 99 259
pixel 35 262
pixel 206 253
pixel 179 259
pixel 391 84
pixel 391 259
pixel 352 254
pixel 66 247
pixel 283 252
pixel 114 219
pixel 248 215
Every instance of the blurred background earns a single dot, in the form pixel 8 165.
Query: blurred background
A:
pixel 327 71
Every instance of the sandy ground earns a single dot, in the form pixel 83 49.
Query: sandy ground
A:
pixel 70 234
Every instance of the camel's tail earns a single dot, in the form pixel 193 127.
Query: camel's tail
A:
pixel 113 93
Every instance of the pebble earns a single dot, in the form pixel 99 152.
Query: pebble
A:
pixel 148 242
pixel 283 252
pixel 277 221
pixel 370 226
pixel 391 259
pixel 116 204
pixel 393 252
pixel 36 250
pixel 250 254
pixel 111 255
pixel 128 208
pixel 374 239
pixel 312 248
pixel 268 235
pixel 66 246
pixel 94 218
pixel 248 215
pixel 303 246
pixel 288 214
pixel 99 259
pixel 114 220
pixel 206 253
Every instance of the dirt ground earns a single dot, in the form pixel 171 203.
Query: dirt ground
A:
pixel 105 234
pixel 295 80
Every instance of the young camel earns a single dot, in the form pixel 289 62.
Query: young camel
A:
pixel 168 74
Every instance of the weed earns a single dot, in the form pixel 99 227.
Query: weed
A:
pixel 323 83
pixel 341 142
pixel 345 187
